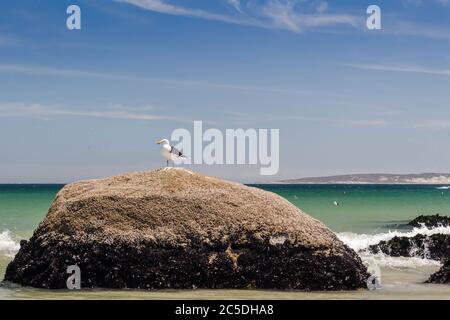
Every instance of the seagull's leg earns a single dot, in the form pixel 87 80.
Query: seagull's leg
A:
pixel 167 163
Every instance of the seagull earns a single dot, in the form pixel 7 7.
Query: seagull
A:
pixel 170 153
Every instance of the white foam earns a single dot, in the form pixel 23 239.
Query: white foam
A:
pixel 361 242
pixel 7 244
pixel 382 260
pixel 443 188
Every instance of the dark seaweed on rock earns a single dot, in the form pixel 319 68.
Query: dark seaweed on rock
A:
pixel 430 221
pixel 443 275
pixel 178 229
pixel 435 247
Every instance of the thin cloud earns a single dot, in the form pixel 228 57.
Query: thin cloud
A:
pixel 403 69
pixel 165 8
pixel 407 28
pixel 419 3
pixel 283 15
pixel 375 123
pixel 57 72
pixel 43 111
pixel 295 16
pixel 236 4
pixel 50 71
pixel 322 6
pixel 251 118
pixel 271 14
pixel 431 124
pixel 367 123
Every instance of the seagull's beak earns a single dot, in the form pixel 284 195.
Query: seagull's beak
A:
pixel 159 142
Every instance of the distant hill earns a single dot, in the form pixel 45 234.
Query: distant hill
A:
pixel 382 178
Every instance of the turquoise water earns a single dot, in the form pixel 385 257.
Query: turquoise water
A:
pixel 365 208
pixel 362 208
pixel 22 207
pixel 365 214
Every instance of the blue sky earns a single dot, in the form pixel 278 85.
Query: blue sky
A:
pixel 91 102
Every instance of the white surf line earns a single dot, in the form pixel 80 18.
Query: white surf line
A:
pixel 359 242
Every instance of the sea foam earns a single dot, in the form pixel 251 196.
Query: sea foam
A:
pixel 361 243
pixel 382 260
pixel 7 244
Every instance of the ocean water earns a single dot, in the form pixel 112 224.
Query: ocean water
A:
pixel 361 215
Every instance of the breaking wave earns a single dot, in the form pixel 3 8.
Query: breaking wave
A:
pixel 361 243
pixel 8 246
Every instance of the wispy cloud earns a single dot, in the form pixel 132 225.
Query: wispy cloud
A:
pixel 59 72
pixel 368 123
pixel 163 7
pixel 431 124
pixel 402 68
pixel 270 14
pixel 322 6
pixel 242 117
pixel 283 15
pixel 236 4
pixel 297 16
pixel 408 28
pixel 419 3
pixel 44 111
pixel 422 124
pixel 50 71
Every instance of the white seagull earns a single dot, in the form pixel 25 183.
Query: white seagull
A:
pixel 170 153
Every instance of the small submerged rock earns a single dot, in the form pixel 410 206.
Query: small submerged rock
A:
pixel 178 229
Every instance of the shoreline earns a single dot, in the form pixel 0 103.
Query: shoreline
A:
pixel 411 287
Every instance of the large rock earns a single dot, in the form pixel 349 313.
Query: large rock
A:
pixel 178 229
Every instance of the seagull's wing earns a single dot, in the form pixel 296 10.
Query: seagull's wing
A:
pixel 176 152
